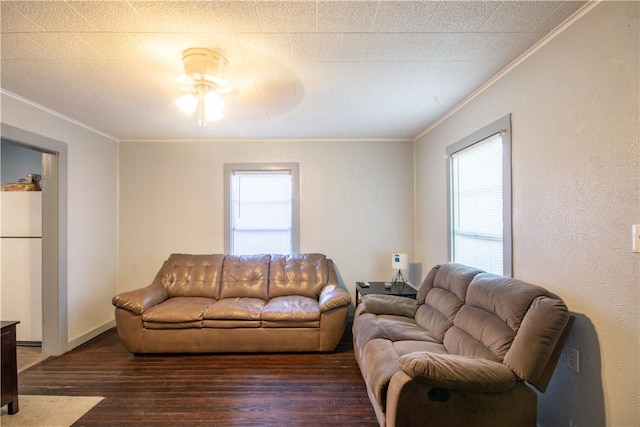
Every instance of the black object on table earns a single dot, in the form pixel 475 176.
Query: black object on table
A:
pixel 9 367
pixel 397 289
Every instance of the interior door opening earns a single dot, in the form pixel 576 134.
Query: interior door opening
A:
pixel 54 234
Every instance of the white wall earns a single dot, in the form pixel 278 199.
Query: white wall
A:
pixel 356 202
pixel 576 193
pixel 92 213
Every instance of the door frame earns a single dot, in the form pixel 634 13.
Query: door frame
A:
pixel 54 234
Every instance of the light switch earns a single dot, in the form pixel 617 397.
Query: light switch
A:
pixel 635 229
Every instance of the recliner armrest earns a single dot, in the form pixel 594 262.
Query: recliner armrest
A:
pixel 139 300
pixel 455 372
pixel 390 304
pixel 333 296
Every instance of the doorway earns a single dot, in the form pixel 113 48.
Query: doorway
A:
pixel 21 234
pixel 54 235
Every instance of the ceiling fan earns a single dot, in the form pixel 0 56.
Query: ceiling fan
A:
pixel 263 87
pixel 205 82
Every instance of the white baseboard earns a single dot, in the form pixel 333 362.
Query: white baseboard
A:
pixel 90 334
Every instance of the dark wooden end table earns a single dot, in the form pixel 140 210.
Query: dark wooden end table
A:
pixel 9 367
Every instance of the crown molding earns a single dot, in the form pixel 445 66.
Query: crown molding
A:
pixel 56 114
pixel 266 140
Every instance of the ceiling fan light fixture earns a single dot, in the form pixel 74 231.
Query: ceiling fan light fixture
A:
pixel 213 106
pixel 187 103
pixel 205 67
pixel 203 63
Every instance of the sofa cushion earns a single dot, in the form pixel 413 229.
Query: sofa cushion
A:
pixel 177 312
pixel 508 299
pixel 302 274
pixel 494 310
pixel 441 295
pixel 230 324
pixel 466 336
pixel 291 311
pixel 245 276
pixel 451 277
pixel 369 326
pixel 437 313
pixel 191 275
pixel 235 309
pixel 407 347
pixel 381 361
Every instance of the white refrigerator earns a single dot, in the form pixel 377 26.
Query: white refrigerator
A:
pixel 21 253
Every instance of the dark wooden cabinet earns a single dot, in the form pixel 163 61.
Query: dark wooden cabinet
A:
pixel 9 367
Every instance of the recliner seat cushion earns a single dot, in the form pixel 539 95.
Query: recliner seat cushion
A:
pixel 369 327
pixel 381 361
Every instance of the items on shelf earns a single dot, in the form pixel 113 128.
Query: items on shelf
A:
pixel 29 183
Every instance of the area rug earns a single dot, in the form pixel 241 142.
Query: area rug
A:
pixel 49 411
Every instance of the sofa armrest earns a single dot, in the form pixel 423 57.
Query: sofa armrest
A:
pixel 455 372
pixel 139 300
pixel 390 304
pixel 333 296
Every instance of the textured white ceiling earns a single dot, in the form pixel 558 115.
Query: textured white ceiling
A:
pixel 301 69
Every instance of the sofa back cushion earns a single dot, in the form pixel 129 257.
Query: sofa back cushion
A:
pixel 303 274
pixel 510 321
pixel 185 275
pixel 245 276
pixel 441 295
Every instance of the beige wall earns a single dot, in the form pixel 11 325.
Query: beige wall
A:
pixel 576 193
pixel 90 262
pixel 356 201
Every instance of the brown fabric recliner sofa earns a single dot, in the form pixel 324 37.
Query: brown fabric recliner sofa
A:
pixel 460 354
pixel 227 303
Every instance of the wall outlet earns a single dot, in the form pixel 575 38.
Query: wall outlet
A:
pixel 573 359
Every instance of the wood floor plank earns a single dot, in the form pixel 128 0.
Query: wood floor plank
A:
pixel 207 390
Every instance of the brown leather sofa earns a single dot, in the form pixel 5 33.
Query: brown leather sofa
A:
pixel 227 303
pixel 464 353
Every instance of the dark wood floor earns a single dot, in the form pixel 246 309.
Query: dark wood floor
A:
pixel 207 390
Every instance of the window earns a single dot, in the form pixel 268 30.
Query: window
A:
pixel 479 169
pixel 261 208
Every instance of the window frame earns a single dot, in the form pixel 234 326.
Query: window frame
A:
pixel 294 171
pixel 501 126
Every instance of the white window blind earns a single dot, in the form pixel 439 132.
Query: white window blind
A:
pixel 477 205
pixel 261 212
pixel 479 191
